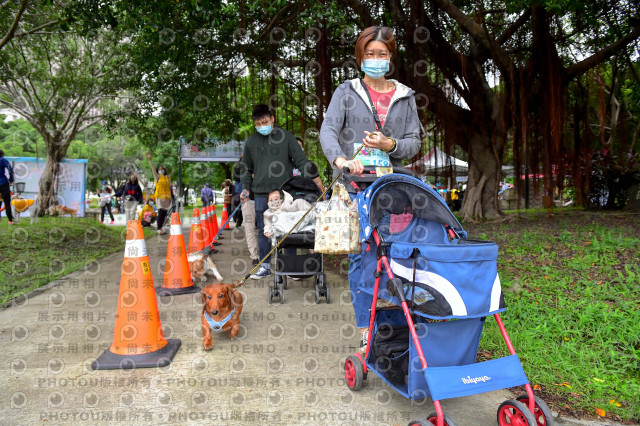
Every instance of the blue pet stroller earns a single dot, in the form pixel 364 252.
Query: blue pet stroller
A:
pixel 446 285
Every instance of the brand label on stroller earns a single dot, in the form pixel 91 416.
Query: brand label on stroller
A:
pixel 470 379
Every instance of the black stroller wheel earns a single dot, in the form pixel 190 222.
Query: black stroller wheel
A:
pixel 513 412
pixel 324 287
pixel 432 419
pixel 541 412
pixel 273 293
pixel 354 372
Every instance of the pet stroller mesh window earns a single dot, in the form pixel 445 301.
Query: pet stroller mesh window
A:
pixel 399 198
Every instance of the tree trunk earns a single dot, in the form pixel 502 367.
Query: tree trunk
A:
pixel 48 184
pixel 227 170
pixel 481 196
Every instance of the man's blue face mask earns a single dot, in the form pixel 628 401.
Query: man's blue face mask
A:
pixel 264 130
pixel 375 68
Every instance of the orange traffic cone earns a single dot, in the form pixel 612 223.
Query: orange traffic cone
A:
pixel 225 216
pixel 177 277
pixel 204 227
pixel 215 229
pixel 138 340
pixel 207 215
pixel 196 242
pixel 212 241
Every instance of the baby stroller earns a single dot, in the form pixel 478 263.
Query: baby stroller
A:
pixel 444 286
pixel 298 265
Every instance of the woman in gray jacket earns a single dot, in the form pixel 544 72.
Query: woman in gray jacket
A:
pixel 379 118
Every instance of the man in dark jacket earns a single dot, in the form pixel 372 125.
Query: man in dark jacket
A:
pixel 5 180
pixel 269 157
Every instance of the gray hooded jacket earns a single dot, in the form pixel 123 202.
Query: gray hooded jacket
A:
pixel 349 115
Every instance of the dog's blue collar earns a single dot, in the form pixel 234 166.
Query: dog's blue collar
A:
pixel 217 325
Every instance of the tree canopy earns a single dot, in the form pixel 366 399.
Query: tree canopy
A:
pixel 548 85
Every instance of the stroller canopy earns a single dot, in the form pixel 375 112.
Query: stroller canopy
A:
pixel 398 194
pixel 302 187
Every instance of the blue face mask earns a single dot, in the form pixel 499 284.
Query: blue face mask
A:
pixel 375 68
pixel 264 130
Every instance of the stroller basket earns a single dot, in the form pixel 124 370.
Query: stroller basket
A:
pixel 393 353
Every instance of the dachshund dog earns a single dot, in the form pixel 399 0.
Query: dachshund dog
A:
pixel 221 309
pixel 200 264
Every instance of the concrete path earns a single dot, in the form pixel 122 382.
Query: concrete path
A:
pixel 286 367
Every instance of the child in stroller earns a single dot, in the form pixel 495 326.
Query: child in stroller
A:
pixel 280 202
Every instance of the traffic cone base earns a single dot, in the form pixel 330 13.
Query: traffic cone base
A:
pixel 160 358
pixel 163 292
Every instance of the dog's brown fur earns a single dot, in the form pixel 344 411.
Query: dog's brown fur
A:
pixel 60 210
pixel 221 299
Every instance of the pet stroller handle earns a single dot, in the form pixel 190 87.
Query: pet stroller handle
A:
pixel 370 174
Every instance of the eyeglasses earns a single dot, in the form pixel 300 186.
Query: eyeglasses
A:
pixel 376 54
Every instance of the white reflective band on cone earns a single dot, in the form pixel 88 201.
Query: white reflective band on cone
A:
pixel 135 248
pixel 195 220
pixel 175 230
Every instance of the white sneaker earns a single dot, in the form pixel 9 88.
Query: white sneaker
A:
pixel 262 272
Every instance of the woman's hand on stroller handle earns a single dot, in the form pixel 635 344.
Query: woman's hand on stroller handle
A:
pixel 353 167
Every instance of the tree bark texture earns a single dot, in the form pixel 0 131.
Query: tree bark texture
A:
pixel 48 184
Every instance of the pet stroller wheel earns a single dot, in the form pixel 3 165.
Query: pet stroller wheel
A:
pixel 515 413
pixel 353 372
pixel 317 294
pixel 284 282
pixel 541 412
pixel 419 423
pixel 432 419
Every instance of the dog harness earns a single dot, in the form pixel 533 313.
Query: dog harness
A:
pixel 217 325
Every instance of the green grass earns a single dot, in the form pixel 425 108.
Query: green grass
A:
pixel 188 211
pixel 35 255
pixel 572 289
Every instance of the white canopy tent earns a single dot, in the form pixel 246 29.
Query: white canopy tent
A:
pixel 438 162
